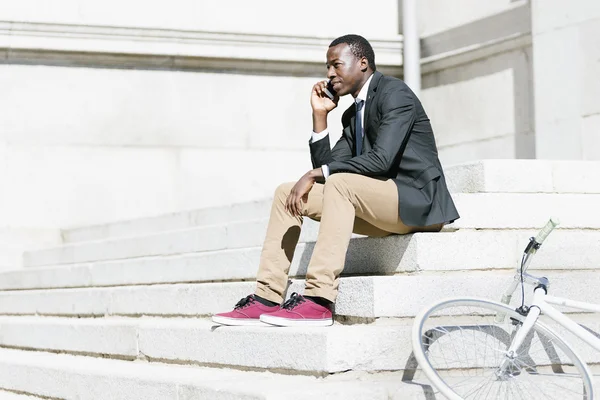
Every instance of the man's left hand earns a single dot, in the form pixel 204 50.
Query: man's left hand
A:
pixel 300 191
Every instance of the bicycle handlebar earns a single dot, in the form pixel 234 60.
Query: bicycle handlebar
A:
pixel 553 222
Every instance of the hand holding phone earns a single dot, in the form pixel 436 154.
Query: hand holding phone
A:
pixel 329 91
pixel 323 97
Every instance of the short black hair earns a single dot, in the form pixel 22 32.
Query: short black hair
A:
pixel 359 46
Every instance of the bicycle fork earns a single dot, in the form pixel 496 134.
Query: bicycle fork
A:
pixel 505 369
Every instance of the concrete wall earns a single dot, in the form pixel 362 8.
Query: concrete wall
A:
pixel 513 79
pixel 120 109
pixel 307 18
pixel 567 85
pixel 439 15
pixel 114 115
pixel 477 82
pixel 463 101
pixel 108 144
pixel 160 112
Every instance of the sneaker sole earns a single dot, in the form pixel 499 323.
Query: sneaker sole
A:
pixel 295 322
pixel 237 321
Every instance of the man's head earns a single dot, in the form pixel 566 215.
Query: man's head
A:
pixel 350 62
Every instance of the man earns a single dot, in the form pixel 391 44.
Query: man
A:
pixel 382 177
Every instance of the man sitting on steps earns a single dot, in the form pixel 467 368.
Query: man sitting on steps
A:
pixel 382 177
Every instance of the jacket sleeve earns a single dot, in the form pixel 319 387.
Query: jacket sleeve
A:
pixel 321 152
pixel 398 112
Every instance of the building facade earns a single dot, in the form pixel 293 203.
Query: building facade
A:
pixel 121 109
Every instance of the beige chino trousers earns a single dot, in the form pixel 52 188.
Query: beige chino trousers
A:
pixel 346 203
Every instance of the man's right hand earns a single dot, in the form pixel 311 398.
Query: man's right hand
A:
pixel 320 102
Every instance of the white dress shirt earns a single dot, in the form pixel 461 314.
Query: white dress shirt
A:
pixel 362 95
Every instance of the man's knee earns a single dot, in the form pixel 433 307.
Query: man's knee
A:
pixel 284 190
pixel 337 179
pixel 338 182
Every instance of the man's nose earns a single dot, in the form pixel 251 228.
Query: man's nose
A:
pixel 331 72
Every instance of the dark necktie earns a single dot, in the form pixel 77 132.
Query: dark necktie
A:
pixel 358 131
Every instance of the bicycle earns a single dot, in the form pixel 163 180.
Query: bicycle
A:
pixel 472 348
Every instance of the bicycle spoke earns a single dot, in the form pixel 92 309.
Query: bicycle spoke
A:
pixel 467 356
pixel 477 388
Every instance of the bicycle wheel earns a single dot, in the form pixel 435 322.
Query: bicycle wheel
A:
pixel 460 347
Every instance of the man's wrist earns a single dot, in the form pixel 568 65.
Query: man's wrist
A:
pixel 315 174
pixel 319 121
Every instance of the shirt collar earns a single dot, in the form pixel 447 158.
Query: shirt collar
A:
pixel 362 95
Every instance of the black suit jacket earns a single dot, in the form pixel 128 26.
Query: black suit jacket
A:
pixel 398 144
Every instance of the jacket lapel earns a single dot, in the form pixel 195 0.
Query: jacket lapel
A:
pixel 370 97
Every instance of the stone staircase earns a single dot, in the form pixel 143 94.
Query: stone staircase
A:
pixel 122 311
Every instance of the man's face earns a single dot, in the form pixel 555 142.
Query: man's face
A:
pixel 345 70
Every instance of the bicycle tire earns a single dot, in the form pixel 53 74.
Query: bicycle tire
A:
pixel 538 372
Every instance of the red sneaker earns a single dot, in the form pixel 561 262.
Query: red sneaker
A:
pixel 299 311
pixel 246 312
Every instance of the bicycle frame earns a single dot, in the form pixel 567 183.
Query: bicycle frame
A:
pixel 522 348
pixel 541 304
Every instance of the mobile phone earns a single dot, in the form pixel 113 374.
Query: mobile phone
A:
pixel 329 91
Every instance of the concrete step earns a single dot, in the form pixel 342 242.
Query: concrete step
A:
pixel 13 241
pixel 384 345
pixel 198 341
pixel 11 257
pixel 526 210
pixel 232 235
pixel 168 222
pixel 360 298
pixel 524 176
pixel 478 211
pixel 87 378
pixel 445 251
pixel 5 395
pixel 490 176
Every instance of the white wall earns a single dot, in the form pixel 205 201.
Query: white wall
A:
pixel 58 186
pixel 477 81
pixel 567 85
pixel 440 15
pixel 149 126
pixel 120 107
pixel 308 17
pixel 482 109
pixel 85 145
pixel 88 145
pixel 111 143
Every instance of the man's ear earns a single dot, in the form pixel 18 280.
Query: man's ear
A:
pixel 364 64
